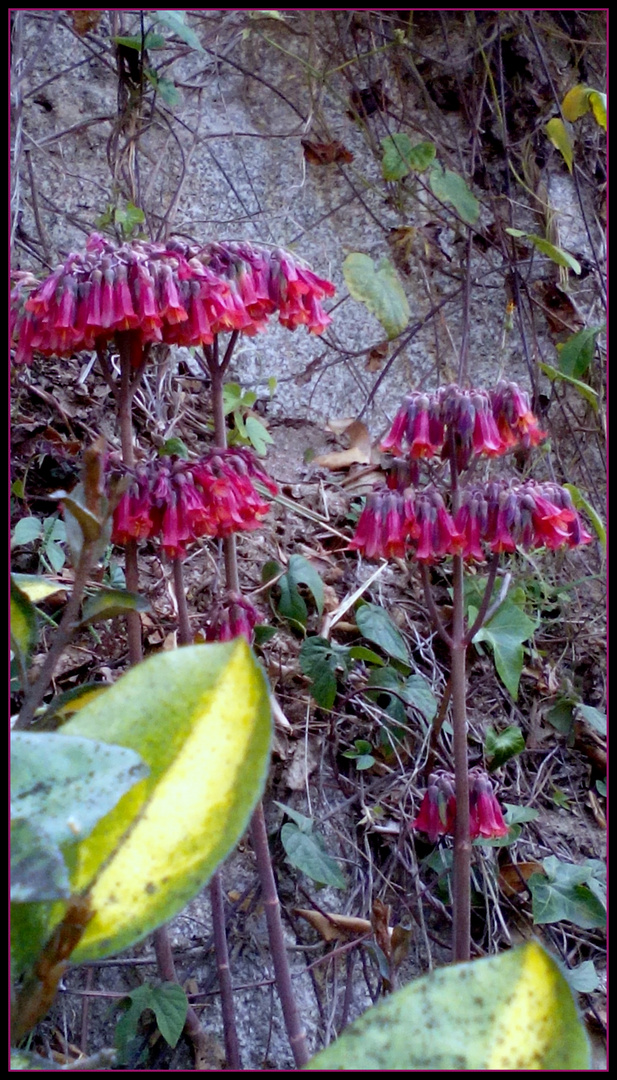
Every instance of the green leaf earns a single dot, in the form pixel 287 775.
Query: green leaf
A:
pixel 360 652
pixel 598 107
pixel 69 784
pixel 593 717
pixel 557 254
pixel 450 188
pixel 499 747
pixel 38 869
pixel 107 603
pixel 307 852
pixel 581 503
pixel 418 693
pixel 170 1006
pixel 505 634
pixel 375 625
pixel 174 20
pixel 27 530
pixel 174 447
pixel 71 701
pixel 583 979
pixel 511 837
pixel 56 556
pixel 601 787
pixel 23 624
pixel 565 891
pixel 36 587
pixel 584 390
pixel 576 354
pixel 576 102
pixel 263 634
pixel 558 135
pixel 399 156
pixel 318 661
pixel 200 718
pixel 291 604
pixel 519 815
pixel 305 824
pixel 151 41
pixel 379 289
pixel 169 92
pixel 258 434
pixel 509 1012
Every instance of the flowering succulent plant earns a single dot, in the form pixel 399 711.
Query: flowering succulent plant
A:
pixel 180 501
pixel 472 522
pixel 174 292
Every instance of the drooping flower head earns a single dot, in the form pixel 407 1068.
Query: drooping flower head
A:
pixel 473 422
pixel 437 816
pixel 385 525
pixel 503 517
pixel 174 292
pixel 235 615
pixel 179 501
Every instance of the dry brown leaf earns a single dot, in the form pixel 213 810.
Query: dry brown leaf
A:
pixel 377 356
pixel 334 927
pixel 360 448
pixel 84 21
pixel 380 920
pixel 513 876
pixel 318 153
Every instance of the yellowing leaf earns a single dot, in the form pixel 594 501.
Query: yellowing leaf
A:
pixel 513 1012
pixel 23 623
pixel 200 719
pixel 598 107
pixel 576 102
pixel 36 587
pixel 558 135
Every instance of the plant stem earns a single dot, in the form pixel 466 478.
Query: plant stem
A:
pixel 295 1031
pixel 232 1049
pixel 461 889
pixel 462 843
pixel 185 636
pixel 291 1016
pixel 125 341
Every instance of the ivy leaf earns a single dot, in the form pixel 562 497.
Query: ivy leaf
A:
pixel 499 747
pixel 584 978
pixel 564 892
pixel 594 718
pixel 450 188
pixel 519 815
pixel 379 289
pixel 509 1011
pixel 375 625
pixel 318 661
pixel 558 135
pixel 299 572
pixel 305 824
pixel 308 853
pixel 505 634
pixel 418 693
pixel 400 156
pixel 576 354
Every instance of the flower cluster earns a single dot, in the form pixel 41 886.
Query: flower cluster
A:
pixel 173 292
pixel 504 517
pixel 474 421
pixel 437 815
pixel 235 616
pixel 180 501
pixel 394 521
pixel 493 517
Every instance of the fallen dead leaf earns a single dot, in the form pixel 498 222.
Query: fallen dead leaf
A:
pixel 360 448
pixel 334 927
pixel 514 876
pixel 318 153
